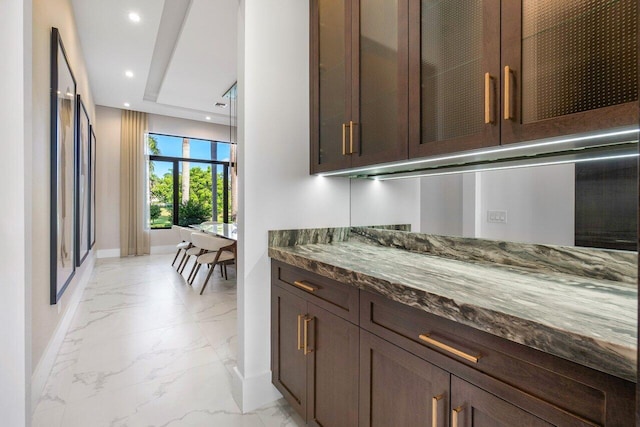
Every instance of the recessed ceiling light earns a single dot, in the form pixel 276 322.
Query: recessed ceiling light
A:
pixel 128 73
pixel 134 17
pixel 126 104
pixel 208 117
pixel 221 105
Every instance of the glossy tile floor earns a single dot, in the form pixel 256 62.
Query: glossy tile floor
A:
pixel 144 349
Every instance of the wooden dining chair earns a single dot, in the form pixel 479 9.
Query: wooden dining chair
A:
pixel 219 251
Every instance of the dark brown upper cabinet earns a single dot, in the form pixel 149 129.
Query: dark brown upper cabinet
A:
pixel 491 72
pixel 393 79
pixel 359 83
pixel 567 67
pixel 454 76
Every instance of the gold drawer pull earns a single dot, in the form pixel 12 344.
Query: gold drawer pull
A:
pixel 300 316
pixel 306 350
pixel 450 349
pixel 507 93
pixel 434 409
pixel 351 125
pixel 454 415
pixel 344 139
pixel 304 286
pixel 488 98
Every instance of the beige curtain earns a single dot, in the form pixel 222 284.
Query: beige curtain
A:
pixel 134 230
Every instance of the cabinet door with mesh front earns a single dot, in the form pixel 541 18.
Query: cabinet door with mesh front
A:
pixel 568 67
pixel 454 75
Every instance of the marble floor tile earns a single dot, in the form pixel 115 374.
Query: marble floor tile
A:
pixel 48 418
pixel 145 349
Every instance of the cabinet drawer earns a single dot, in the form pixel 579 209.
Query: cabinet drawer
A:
pixel 335 297
pixel 597 398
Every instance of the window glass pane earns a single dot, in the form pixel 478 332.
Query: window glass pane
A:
pixel 189 148
pixel 195 191
pixel 161 194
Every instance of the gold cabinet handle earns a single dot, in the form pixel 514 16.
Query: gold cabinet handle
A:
pixel 488 97
pixel 344 139
pixel 304 286
pixel 507 93
pixel 448 348
pixel 454 416
pixel 351 125
pixel 434 409
pixel 306 350
pixel 300 316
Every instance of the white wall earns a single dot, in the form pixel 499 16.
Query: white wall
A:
pixel 47 14
pixel 539 202
pixel 108 173
pixel 108 181
pixel 385 202
pixel 191 128
pixel 15 228
pixel 275 188
pixel 441 199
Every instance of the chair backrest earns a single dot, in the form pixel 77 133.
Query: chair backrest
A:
pixel 208 242
pixel 186 233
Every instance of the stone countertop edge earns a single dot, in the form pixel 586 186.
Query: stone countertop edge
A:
pixel 601 355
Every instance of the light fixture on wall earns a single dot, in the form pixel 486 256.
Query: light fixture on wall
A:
pixel 134 17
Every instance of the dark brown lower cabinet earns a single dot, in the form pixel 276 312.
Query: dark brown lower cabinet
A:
pixel 288 362
pixel 399 389
pixel 473 407
pixel 315 358
pixel 346 358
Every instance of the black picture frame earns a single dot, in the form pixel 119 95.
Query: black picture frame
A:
pixel 92 189
pixel 63 177
pixel 83 136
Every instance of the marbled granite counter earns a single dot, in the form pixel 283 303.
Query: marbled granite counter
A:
pixel 550 306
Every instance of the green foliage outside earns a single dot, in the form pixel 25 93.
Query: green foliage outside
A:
pixel 154 212
pixel 193 212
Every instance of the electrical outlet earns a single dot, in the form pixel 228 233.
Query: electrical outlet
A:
pixel 498 217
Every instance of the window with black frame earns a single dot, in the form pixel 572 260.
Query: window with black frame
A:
pixel 189 181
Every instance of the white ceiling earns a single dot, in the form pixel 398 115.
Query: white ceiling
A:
pixel 183 54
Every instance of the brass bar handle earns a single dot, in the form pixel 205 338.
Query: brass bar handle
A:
pixel 344 139
pixel 488 104
pixel 351 125
pixel 300 316
pixel 454 416
pixel 306 350
pixel 304 286
pixel 448 348
pixel 434 409
pixel 507 93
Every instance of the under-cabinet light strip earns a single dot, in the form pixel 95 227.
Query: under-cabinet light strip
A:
pixel 496 168
pixel 487 151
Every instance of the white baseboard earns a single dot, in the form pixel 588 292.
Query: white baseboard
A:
pixel 155 250
pixel 43 369
pixel 254 392
pixel 168 249
pixel 108 253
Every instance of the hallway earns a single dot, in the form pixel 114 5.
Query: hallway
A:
pixel 144 349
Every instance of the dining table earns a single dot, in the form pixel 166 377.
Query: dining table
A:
pixel 220 229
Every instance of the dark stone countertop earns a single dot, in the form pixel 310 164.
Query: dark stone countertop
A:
pixel 567 311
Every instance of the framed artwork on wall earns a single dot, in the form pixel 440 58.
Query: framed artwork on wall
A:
pixel 92 189
pixel 63 185
pixel 82 178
